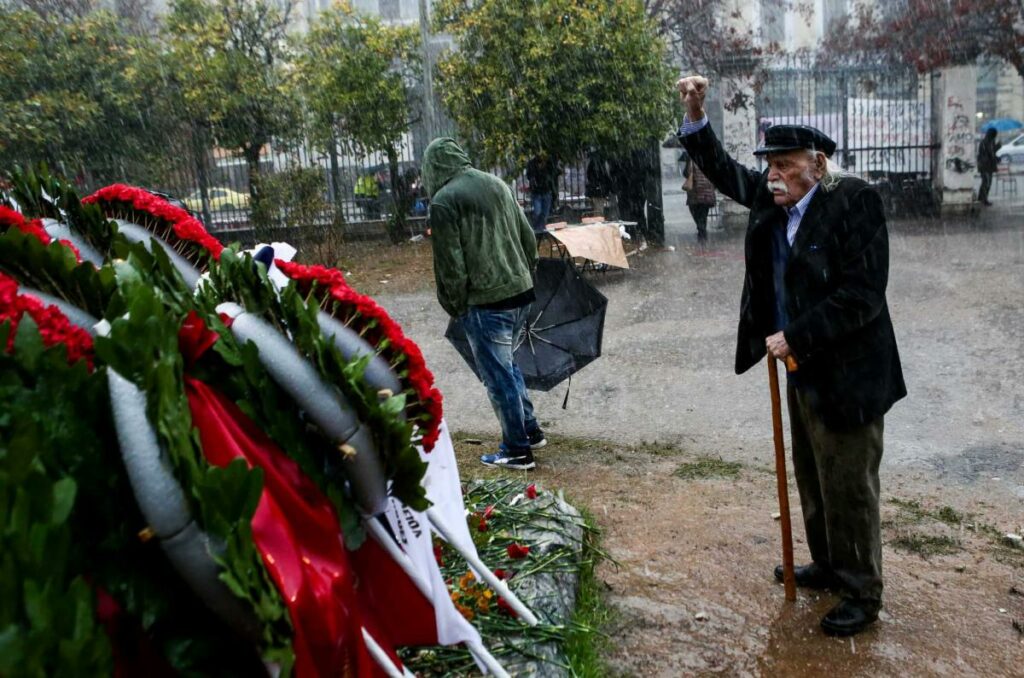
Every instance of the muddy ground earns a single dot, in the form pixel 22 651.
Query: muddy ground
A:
pixel 664 394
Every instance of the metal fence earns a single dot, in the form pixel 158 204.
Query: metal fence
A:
pixel 304 186
pixel 880 118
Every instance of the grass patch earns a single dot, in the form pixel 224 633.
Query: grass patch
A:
pixel 911 511
pixel 469 442
pixel 926 545
pixel 659 449
pixel 592 616
pixel 949 515
pixel 708 467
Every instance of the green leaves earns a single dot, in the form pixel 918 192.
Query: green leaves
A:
pixel 47 619
pixel 357 75
pixel 52 269
pixel 559 76
pixel 67 87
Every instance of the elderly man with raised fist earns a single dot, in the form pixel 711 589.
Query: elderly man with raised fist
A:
pixel 817 264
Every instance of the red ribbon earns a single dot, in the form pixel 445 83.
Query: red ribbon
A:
pixel 296 531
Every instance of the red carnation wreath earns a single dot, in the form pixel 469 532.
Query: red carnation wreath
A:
pixel 372 322
pixel 54 327
pixel 11 219
pixel 169 223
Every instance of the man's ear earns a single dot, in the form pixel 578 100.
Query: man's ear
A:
pixel 820 164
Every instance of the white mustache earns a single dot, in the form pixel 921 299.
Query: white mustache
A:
pixel 778 186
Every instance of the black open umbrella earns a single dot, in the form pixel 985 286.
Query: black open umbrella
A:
pixel 564 330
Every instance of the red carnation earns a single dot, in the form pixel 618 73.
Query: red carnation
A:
pixel 517 551
pixel 506 608
pixel 130 202
pixel 375 326
pixel 501 574
pixel 54 327
pixel 11 219
pixel 531 491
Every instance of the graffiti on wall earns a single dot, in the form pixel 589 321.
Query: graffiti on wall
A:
pixel 958 137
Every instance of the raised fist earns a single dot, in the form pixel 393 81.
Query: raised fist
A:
pixel 692 90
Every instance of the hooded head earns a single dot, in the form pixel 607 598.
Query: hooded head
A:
pixel 442 160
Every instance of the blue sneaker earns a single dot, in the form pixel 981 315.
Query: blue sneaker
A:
pixel 505 458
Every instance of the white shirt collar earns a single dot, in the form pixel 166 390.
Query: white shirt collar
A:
pixel 800 209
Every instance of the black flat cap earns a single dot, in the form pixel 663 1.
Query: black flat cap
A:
pixel 780 138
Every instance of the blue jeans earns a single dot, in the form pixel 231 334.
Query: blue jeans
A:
pixel 541 210
pixel 494 337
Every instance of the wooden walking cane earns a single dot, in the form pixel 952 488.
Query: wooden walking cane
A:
pixel 788 578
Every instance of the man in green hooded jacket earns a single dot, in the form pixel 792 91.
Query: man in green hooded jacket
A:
pixel 484 255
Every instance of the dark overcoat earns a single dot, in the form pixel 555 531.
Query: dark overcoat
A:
pixel 839 326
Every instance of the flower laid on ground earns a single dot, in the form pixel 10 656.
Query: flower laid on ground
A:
pixel 471 597
pixel 518 551
pixel 506 608
pixel 510 528
pixel 531 491
pixel 365 316
pixel 172 224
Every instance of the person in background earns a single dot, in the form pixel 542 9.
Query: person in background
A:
pixel 599 182
pixel 817 266
pixel 988 162
pixel 636 178
pixel 367 192
pixel 485 252
pixel 542 173
pixel 700 198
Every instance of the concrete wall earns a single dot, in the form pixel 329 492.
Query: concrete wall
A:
pixel 954 105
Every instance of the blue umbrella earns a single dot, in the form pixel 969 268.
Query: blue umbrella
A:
pixel 1002 125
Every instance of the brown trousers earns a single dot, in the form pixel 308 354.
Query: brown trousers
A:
pixel 837 475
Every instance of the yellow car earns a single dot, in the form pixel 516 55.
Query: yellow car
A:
pixel 221 198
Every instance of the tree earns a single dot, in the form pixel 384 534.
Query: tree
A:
pixel 70 94
pixel 931 34
pixel 357 76
pixel 709 37
pixel 560 76
pixel 233 59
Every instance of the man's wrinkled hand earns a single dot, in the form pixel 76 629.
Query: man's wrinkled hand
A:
pixel 692 90
pixel 777 346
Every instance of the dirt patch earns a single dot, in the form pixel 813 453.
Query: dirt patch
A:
pixel 376 268
pixel 691 585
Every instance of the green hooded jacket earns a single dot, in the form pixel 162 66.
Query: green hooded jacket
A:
pixel 484 248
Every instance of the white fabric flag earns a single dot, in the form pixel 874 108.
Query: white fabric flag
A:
pixel 444 488
pixel 413 534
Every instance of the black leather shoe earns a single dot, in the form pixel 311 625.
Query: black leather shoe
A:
pixel 850 616
pixel 811 576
